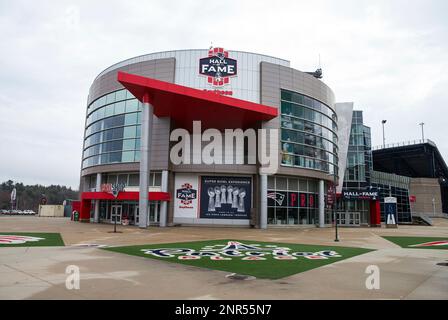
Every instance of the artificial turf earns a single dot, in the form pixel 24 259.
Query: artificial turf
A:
pixel 269 268
pixel 48 239
pixel 410 242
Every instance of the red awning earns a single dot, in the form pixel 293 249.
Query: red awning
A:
pixel 125 195
pixel 185 105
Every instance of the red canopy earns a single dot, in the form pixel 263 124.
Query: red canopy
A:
pixel 185 105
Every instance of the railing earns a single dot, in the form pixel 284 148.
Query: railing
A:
pixel 403 144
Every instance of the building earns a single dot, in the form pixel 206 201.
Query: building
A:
pixel 358 203
pixel 163 93
pixel 423 184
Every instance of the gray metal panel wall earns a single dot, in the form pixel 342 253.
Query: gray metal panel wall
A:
pixel 160 69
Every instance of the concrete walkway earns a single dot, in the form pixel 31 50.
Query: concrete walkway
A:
pixel 39 272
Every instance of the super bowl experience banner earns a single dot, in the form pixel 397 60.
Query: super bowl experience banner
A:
pixel 226 197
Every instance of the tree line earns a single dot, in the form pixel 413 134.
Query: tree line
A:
pixel 30 196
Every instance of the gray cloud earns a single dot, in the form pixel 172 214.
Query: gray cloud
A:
pixel 389 57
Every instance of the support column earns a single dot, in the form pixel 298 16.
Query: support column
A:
pixel 263 201
pixel 145 159
pixel 164 204
pixel 321 204
pixel 96 216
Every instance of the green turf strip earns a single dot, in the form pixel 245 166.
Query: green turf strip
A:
pixel 413 242
pixel 46 239
pixel 269 268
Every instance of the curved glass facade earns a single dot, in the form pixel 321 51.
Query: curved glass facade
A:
pixel 112 130
pixel 308 133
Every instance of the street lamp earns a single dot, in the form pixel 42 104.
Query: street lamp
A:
pixel 384 138
pixel 336 239
pixel 423 132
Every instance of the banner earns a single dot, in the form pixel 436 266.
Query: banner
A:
pixel 390 209
pixel 226 197
pixel 186 196
pixel 285 199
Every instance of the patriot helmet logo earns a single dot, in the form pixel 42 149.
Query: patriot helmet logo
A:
pixel 218 67
pixel 15 239
pixel 431 244
pixel 277 197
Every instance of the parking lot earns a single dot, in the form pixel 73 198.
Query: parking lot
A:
pixel 40 272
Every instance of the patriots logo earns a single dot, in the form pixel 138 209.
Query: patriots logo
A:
pixel 431 244
pixel 14 239
pixel 277 197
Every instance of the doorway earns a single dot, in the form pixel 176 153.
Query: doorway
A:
pixel 116 213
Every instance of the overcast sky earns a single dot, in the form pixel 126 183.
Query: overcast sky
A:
pixel 389 57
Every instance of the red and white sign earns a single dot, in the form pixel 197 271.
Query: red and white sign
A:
pixel 218 67
pixel 15 239
pixel 187 195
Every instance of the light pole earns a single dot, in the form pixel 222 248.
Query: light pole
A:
pixel 384 137
pixel 336 239
pixel 335 219
pixel 423 132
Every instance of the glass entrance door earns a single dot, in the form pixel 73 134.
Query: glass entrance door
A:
pixel 116 212
pixel 136 216
pixel 153 213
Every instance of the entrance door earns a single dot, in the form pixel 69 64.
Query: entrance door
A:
pixel 136 215
pixel 153 210
pixel 116 211
pixel 349 219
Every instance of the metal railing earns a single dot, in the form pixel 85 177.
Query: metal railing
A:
pixel 405 143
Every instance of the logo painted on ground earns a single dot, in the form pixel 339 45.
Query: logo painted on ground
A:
pixel 218 67
pixel 15 239
pixel 431 244
pixel 240 251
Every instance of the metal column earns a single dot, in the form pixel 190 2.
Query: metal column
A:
pixel 145 159
pixel 263 201
pixel 321 204
pixel 164 204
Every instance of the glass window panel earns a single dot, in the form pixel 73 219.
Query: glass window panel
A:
pixel 129 144
pixel 129 132
pixel 120 95
pixel 112 178
pixel 271 182
pixel 128 156
pixel 109 111
pixel 120 107
pixel 293 184
pixel 123 178
pixel 102 101
pixel 110 98
pixel 303 185
pixel 281 183
pixel 157 179
pixel 281 215
pixel 134 180
pixel 118 133
pixel 115 157
pixel 129 95
pixel 132 105
pixel 131 118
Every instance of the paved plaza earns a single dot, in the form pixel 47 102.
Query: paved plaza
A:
pixel 40 272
